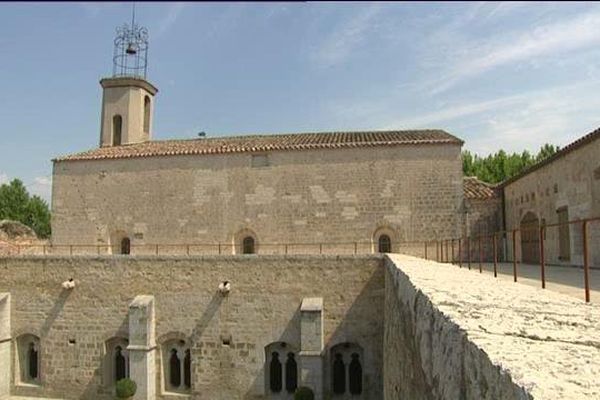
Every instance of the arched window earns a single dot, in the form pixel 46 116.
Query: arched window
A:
pixel 291 373
pixel 248 245
pixel 280 368
pixel 146 114
pixel 177 366
pixel 116 360
pixel 117 129
pixel 355 374
pixel 384 244
pixel 125 246
pixel 347 369
pixel 29 358
pixel 275 375
pixel 339 374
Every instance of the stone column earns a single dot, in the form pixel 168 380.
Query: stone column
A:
pixel 311 345
pixel 142 347
pixel 5 345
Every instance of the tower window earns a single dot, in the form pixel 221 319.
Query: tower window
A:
pixel 276 373
pixel 291 374
pixel 117 128
pixel 347 371
pixel 146 114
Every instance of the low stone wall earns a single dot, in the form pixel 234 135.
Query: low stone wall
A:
pixel 453 334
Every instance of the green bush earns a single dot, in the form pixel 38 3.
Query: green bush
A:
pixel 126 388
pixel 304 393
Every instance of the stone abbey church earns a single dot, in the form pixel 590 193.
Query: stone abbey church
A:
pixel 218 268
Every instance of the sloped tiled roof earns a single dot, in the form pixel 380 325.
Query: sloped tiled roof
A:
pixel 582 141
pixel 260 143
pixel 475 189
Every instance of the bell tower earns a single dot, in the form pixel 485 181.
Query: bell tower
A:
pixel 127 97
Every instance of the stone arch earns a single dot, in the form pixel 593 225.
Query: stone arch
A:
pixel 28 359
pixel 382 234
pixel 176 363
pixel 346 366
pixel 242 241
pixel 117 241
pixel 281 370
pixel 530 238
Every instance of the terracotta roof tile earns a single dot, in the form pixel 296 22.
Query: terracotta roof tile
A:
pixel 260 143
pixel 475 189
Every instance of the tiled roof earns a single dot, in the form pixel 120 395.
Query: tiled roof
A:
pixel 475 189
pixel 582 141
pixel 260 143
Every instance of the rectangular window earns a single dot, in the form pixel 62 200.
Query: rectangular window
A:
pixel 564 241
pixel 260 160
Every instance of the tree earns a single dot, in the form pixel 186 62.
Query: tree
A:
pixel 500 166
pixel 16 204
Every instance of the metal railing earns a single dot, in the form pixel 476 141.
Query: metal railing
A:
pixel 496 247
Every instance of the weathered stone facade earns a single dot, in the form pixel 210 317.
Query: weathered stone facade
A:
pixel 114 297
pixel 568 183
pixel 412 192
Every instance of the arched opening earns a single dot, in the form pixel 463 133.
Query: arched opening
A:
pixel 384 244
pixel 146 114
pixel 346 366
pixel 177 366
pixel 275 373
pixel 248 245
pixel 116 361
pixel 125 246
pixel 291 373
pixel 530 238
pixel 120 364
pixel 117 129
pixel 28 347
pixel 355 374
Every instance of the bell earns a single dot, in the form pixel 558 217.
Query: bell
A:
pixel 131 49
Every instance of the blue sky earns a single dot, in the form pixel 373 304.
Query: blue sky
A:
pixel 498 75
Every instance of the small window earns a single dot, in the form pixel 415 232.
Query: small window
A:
pixel 29 358
pixel 116 361
pixel 117 128
pixel 177 366
pixel 248 245
pixel 146 114
pixel 260 160
pixel 384 244
pixel 125 246
pixel 281 368
pixel 347 370
pixel 339 375
pixel 355 375
pixel 291 374
pixel 275 373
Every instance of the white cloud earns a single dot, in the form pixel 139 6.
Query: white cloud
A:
pixel 170 18
pixel 579 32
pixel 339 45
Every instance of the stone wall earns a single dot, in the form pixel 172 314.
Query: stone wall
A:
pixel 571 181
pixel 468 336
pixel 310 196
pixel 228 334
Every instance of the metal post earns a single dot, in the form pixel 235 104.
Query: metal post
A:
pixel 586 264
pixel 447 252
pixel 480 255
pixel 355 247
pixel 514 240
pixel 286 248
pixel 157 249
pixel 459 252
pixel 320 248
pixel 495 246
pixel 452 261
pixel 437 251
pixel 542 260
pixel 426 250
pixel 187 249
pixel 469 251
pixel 70 249
pixel 219 248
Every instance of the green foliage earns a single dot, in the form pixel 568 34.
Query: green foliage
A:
pixel 16 204
pixel 126 388
pixel 304 393
pixel 500 166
